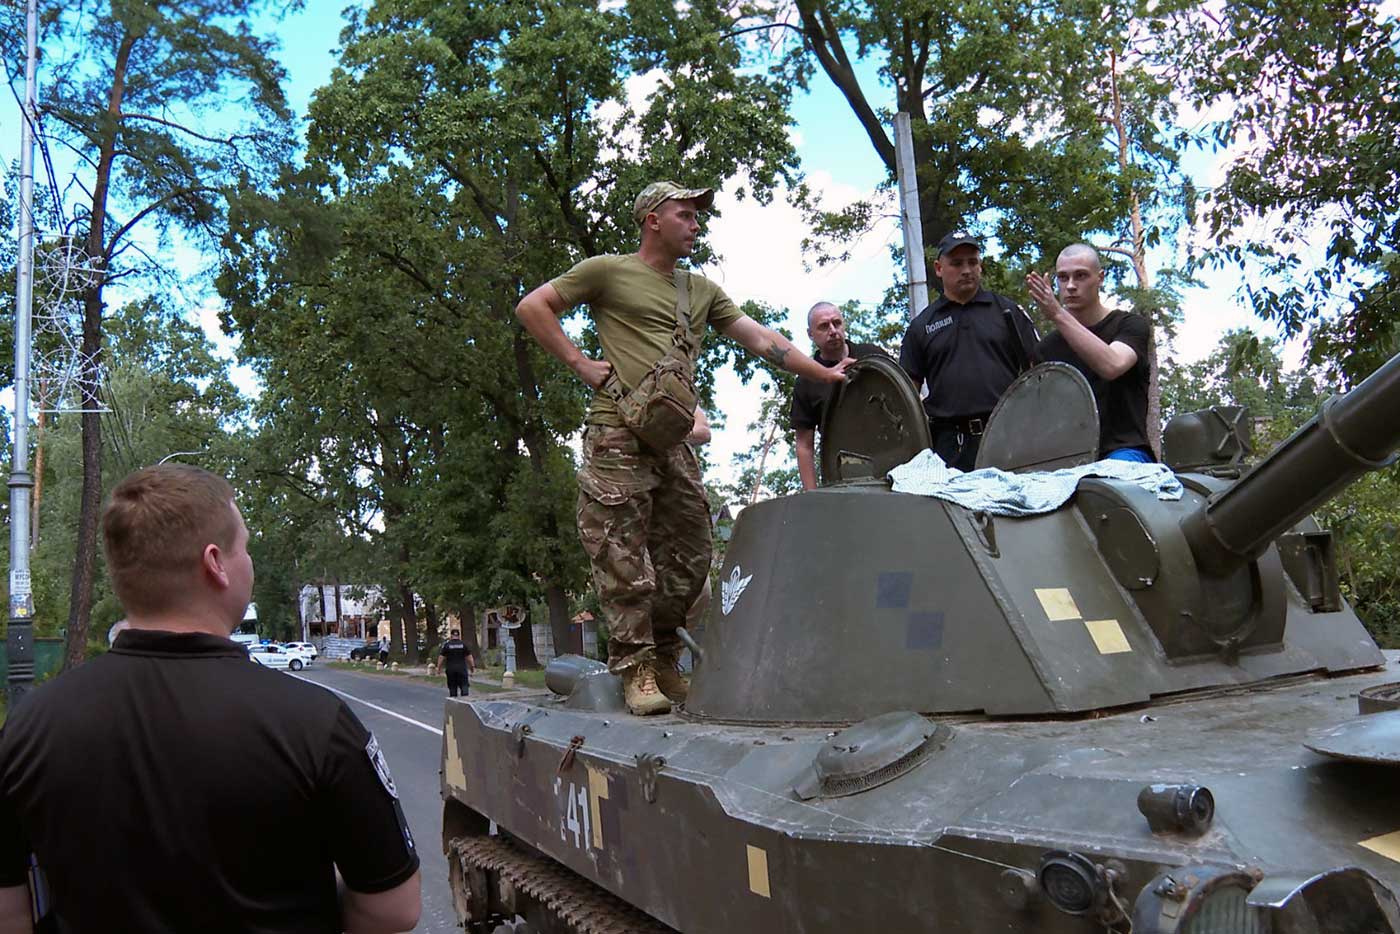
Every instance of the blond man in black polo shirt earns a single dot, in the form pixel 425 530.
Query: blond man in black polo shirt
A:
pixel 171 785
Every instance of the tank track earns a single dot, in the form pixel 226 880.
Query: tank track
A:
pixel 552 898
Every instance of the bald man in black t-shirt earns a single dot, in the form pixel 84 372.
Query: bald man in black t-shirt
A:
pixel 826 326
pixel 1109 347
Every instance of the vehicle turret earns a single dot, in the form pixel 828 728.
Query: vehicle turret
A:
pixel 854 600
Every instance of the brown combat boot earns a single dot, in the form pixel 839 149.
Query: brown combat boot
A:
pixel 669 679
pixel 640 690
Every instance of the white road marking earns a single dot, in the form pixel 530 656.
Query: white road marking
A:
pixel 360 700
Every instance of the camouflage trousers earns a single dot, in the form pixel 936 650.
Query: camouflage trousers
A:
pixel 645 523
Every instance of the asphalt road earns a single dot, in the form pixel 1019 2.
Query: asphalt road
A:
pixel 406 717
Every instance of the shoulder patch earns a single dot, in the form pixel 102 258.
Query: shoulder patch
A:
pixel 381 766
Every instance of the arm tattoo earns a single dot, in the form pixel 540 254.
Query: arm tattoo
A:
pixel 776 354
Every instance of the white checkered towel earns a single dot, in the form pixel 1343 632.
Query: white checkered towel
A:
pixel 1022 494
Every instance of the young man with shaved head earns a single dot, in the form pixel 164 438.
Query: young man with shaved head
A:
pixel 642 513
pixel 826 326
pixel 1109 347
pixel 171 785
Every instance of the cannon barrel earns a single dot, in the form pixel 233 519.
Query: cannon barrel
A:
pixel 1351 435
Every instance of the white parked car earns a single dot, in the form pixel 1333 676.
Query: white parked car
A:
pixel 273 656
pixel 305 648
pixel 307 655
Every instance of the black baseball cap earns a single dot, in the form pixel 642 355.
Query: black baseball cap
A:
pixel 956 239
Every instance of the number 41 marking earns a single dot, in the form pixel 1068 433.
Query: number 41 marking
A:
pixel 574 819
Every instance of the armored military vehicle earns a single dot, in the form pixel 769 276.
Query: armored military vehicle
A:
pixel 1127 713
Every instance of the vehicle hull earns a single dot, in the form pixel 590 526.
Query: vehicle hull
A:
pixel 714 839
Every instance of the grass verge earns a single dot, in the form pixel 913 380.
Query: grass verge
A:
pixel 438 680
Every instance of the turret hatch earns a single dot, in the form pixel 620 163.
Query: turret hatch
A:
pixel 1047 419
pixel 873 423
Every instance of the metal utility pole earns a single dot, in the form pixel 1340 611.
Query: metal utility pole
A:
pixel 19 641
pixel 909 214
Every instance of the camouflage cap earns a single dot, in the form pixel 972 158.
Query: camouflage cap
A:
pixel 655 193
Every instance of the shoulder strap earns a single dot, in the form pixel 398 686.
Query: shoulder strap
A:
pixel 1018 341
pixel 682 335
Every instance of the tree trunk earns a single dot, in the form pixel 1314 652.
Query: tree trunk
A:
pixel 524 636
pixel 560 626
pixel 339 611
pixel 405 639
pixel 432 636
pixel 301 617
pixel 538 443
pixel 1139 257
pixel 90 369
pixel 85 549
pixel 466 618
pixel 763 461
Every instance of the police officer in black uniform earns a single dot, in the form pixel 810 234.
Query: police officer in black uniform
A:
pixel 171 784
pixel 967 346
pixel 458 659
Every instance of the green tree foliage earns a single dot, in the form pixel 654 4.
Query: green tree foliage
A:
pixel 460 156
pixel 767 468
pixel 1011 107
pixel 166 392
pixel 130 86
pixel 1309 206
pixel 9 263
pixel 1248 370
pixel 1037 124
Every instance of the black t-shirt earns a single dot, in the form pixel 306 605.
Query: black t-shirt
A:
pixel 809 396
pixel 454 655
pixel 967 353
pixel 1123 401
pixel 172 785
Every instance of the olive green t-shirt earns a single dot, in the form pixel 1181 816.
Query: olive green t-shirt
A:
pixel 634 309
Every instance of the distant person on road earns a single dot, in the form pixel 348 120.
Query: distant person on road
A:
pixel 826 326
pixel 384 651
pixel 967 346
pixel 171 786
pixel 458 660
pixel 642 513
pixel 1109 347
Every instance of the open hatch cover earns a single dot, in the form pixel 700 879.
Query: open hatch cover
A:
pixel 873 423
pixel 1047 419
pixel 1373 738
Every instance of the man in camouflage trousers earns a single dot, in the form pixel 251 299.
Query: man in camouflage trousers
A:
pixel 642 514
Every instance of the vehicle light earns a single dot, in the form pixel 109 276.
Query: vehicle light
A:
pixel 1072 883
pixel 1185 809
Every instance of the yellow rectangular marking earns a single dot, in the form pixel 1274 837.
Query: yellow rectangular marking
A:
pixel 453 771
pixel 1058 603
pixel 758 871
pixel 597 791
pixel 1387 845
pixel 1108 636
